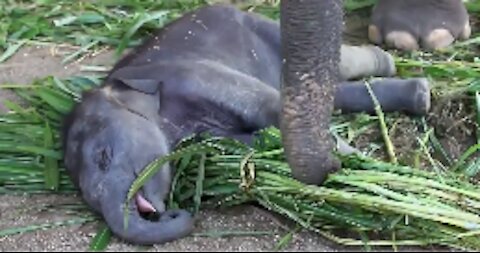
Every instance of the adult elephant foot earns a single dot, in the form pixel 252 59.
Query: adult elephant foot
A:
pixel 412 24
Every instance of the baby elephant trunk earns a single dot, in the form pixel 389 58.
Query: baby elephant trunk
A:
pixel 172 225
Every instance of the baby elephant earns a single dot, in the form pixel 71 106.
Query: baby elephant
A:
pixel 216 70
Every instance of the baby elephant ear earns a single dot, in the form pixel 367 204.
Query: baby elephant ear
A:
pixel 137 78
pixel 148 86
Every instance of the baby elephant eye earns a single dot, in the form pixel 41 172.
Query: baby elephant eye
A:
pixel 103 158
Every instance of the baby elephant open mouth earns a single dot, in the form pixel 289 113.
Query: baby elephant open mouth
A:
pixel 146 209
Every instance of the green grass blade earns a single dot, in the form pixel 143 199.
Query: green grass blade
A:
pixel 79 51
pixel 285 240
pixel 101 239
pixel 199 184
pixel 11 50
pixel 52 173
pixel 470 151
pixel 383 126
pixel 142 19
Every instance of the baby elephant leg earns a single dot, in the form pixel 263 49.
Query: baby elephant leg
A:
pixel 362 61
pixel 411 96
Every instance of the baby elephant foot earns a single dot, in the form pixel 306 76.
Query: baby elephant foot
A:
pixel 363 61
pixel 419 89
pixel 411 96
pixel 384 62
pixel 412 24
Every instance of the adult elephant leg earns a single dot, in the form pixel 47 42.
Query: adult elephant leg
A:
pixel 311 40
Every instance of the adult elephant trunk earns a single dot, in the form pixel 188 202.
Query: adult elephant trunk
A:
pixel 311 40
pixel 172 225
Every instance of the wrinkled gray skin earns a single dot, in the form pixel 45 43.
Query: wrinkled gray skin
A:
pixel 412 24
pixel 215 70
pixel 311 46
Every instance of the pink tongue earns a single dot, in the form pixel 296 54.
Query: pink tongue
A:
pixel 143 205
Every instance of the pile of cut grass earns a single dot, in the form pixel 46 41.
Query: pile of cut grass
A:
pixel 377 203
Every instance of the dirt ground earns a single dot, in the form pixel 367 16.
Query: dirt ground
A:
pixel 20 211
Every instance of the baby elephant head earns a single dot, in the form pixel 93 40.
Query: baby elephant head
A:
pixel 109 138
